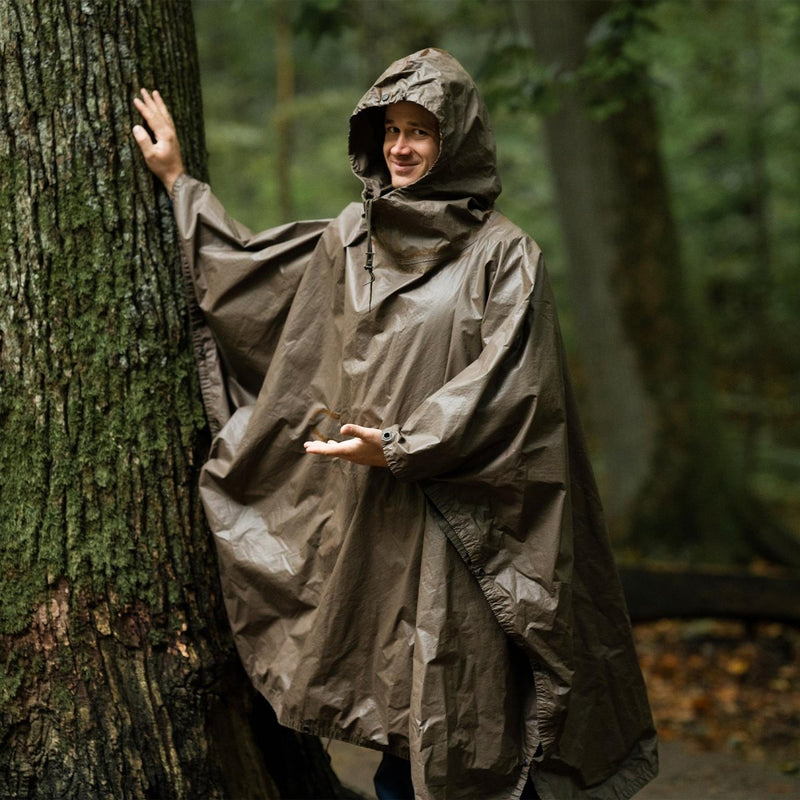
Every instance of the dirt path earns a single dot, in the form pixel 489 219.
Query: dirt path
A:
pixel 689 774
pixel 685 774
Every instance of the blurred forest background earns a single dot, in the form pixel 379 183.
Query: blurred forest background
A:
pixel 712 89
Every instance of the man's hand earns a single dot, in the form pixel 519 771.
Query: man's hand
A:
pixel 366 447
pixel 164 156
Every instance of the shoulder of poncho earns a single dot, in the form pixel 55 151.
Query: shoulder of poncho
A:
pixel 498 227
pixel 346 226
pixel 513 253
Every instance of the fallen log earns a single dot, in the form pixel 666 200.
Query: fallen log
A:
pixel 657 592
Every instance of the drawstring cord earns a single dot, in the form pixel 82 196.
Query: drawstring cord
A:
pixel 368 266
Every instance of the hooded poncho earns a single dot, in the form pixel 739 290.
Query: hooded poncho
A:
pixel 460 608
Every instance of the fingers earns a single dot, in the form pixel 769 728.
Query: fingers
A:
pixel 150 103
pixel 155 113
pixel 160 105
pixel 364 448
pixel 145 106
pixel 349 450
pixel 163 156
pixel 329 448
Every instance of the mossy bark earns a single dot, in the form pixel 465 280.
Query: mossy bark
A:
pixel 117 676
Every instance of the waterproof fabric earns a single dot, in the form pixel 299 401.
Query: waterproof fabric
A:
pixel 460 608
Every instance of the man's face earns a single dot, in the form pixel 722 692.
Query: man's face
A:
pixel 411 142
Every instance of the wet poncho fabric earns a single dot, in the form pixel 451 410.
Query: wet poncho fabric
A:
pixel 460 608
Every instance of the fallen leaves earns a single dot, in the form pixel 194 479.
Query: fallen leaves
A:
pixel 725 685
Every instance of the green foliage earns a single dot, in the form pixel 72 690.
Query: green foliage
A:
pixel 615 69
pixel 612 73
pixel 516 80
pixel 729 78
pixel 320 18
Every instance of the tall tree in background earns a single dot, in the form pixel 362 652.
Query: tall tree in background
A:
pixel 117 674
pixel 644 357
pixel 592 205
pixel 284 95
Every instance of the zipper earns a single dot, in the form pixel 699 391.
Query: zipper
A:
pixel 370 254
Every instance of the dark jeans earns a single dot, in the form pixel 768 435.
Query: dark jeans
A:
pixel 393 780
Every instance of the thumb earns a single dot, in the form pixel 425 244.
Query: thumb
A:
pixel 142 138
pixel 354 430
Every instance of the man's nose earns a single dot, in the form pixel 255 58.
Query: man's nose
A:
pixel 400 144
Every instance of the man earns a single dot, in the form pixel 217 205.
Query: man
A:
pixel 411 546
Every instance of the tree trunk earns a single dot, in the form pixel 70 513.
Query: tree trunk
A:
pixel 620 415
pixel 118 678
pixel 645 357
pixel 284 71
pixel 762 270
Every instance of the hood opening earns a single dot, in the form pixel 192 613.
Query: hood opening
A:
pixel 366 149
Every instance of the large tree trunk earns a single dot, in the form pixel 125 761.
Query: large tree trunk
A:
pixel 647 377
pixel 118 677
pixel 620 412
pixel 284 94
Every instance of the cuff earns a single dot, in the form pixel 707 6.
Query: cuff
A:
pixel 176 184
pixel 389 438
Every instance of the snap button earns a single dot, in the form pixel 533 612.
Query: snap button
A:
pixel 384 97
pixel 387 436
pixel 480 572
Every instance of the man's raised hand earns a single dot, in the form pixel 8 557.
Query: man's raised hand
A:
pixel 163 156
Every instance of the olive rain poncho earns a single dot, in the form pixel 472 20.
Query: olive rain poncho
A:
pixel 460 608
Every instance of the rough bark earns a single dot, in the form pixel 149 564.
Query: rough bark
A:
pixel 117 674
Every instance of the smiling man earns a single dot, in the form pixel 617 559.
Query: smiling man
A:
pixel 411 546
pixel 411 142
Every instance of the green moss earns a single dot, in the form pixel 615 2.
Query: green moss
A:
pixel 106 397
pixel 61 699
pixel 12 676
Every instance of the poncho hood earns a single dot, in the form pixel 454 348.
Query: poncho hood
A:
pixel 460 608
pixel 435 216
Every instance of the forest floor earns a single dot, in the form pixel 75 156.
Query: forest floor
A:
pixel 726 700
pixel 725 696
